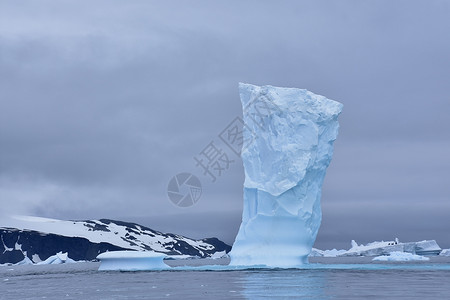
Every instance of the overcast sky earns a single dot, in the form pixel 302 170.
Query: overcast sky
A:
pixel 102 103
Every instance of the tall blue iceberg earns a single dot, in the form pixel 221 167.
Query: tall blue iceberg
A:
pixel 287 147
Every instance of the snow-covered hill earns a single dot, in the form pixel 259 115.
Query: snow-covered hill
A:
pixel 40 238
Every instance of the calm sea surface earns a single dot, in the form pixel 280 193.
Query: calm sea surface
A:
pixel 342 278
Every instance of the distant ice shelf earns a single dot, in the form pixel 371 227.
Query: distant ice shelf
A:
pixel 426 247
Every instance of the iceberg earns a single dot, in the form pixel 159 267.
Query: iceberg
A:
pixel 287 146
pixel 131 261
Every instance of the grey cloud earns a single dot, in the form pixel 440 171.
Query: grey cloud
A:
pixel 101 105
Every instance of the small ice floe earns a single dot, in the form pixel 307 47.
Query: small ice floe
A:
pixel 445 252
pixel 57 259
pixel 326 253
pixel 219 254
pixel 132 261
pixel 25 261
pixel 400 256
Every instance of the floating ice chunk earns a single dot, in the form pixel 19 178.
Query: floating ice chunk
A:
pixel 427 247
pixel 333 252
pixel 288 145
pixel 62 256
pixel 326 253
pixel 445 252
pixel 36 258
pixel 132 261
pixel 400 256
pixel 316 253
pixel 57 259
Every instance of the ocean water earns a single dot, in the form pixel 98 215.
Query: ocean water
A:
pixel 338 278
